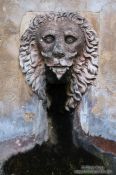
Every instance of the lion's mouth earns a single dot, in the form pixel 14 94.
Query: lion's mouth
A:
pixel 59 71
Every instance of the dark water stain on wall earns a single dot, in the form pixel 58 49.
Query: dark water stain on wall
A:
pixel 60 158
pixel 49 160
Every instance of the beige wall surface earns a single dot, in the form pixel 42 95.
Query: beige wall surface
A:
pixel 98 111
pixel 18 103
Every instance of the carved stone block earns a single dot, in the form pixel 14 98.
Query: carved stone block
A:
pixel 64 44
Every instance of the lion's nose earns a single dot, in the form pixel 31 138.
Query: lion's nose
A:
pixel 58 52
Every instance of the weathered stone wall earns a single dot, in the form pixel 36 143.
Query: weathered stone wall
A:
pixel 98 111
pixel 19 109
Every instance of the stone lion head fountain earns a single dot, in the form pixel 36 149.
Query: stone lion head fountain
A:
pixel 60 45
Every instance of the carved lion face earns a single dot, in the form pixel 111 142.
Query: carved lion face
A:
pixel 60 42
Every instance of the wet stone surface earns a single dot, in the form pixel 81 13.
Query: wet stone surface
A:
pixel 60 157
pixel 54 160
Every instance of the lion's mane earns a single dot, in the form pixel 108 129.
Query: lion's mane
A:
pixel 83 71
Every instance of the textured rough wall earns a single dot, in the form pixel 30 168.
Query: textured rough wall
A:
pixel 19 112
pixel 98 111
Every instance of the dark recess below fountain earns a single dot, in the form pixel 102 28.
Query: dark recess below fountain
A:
pixel 62 158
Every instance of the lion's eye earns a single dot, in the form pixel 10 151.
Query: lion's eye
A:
pixel 70 39
pixel 49 39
